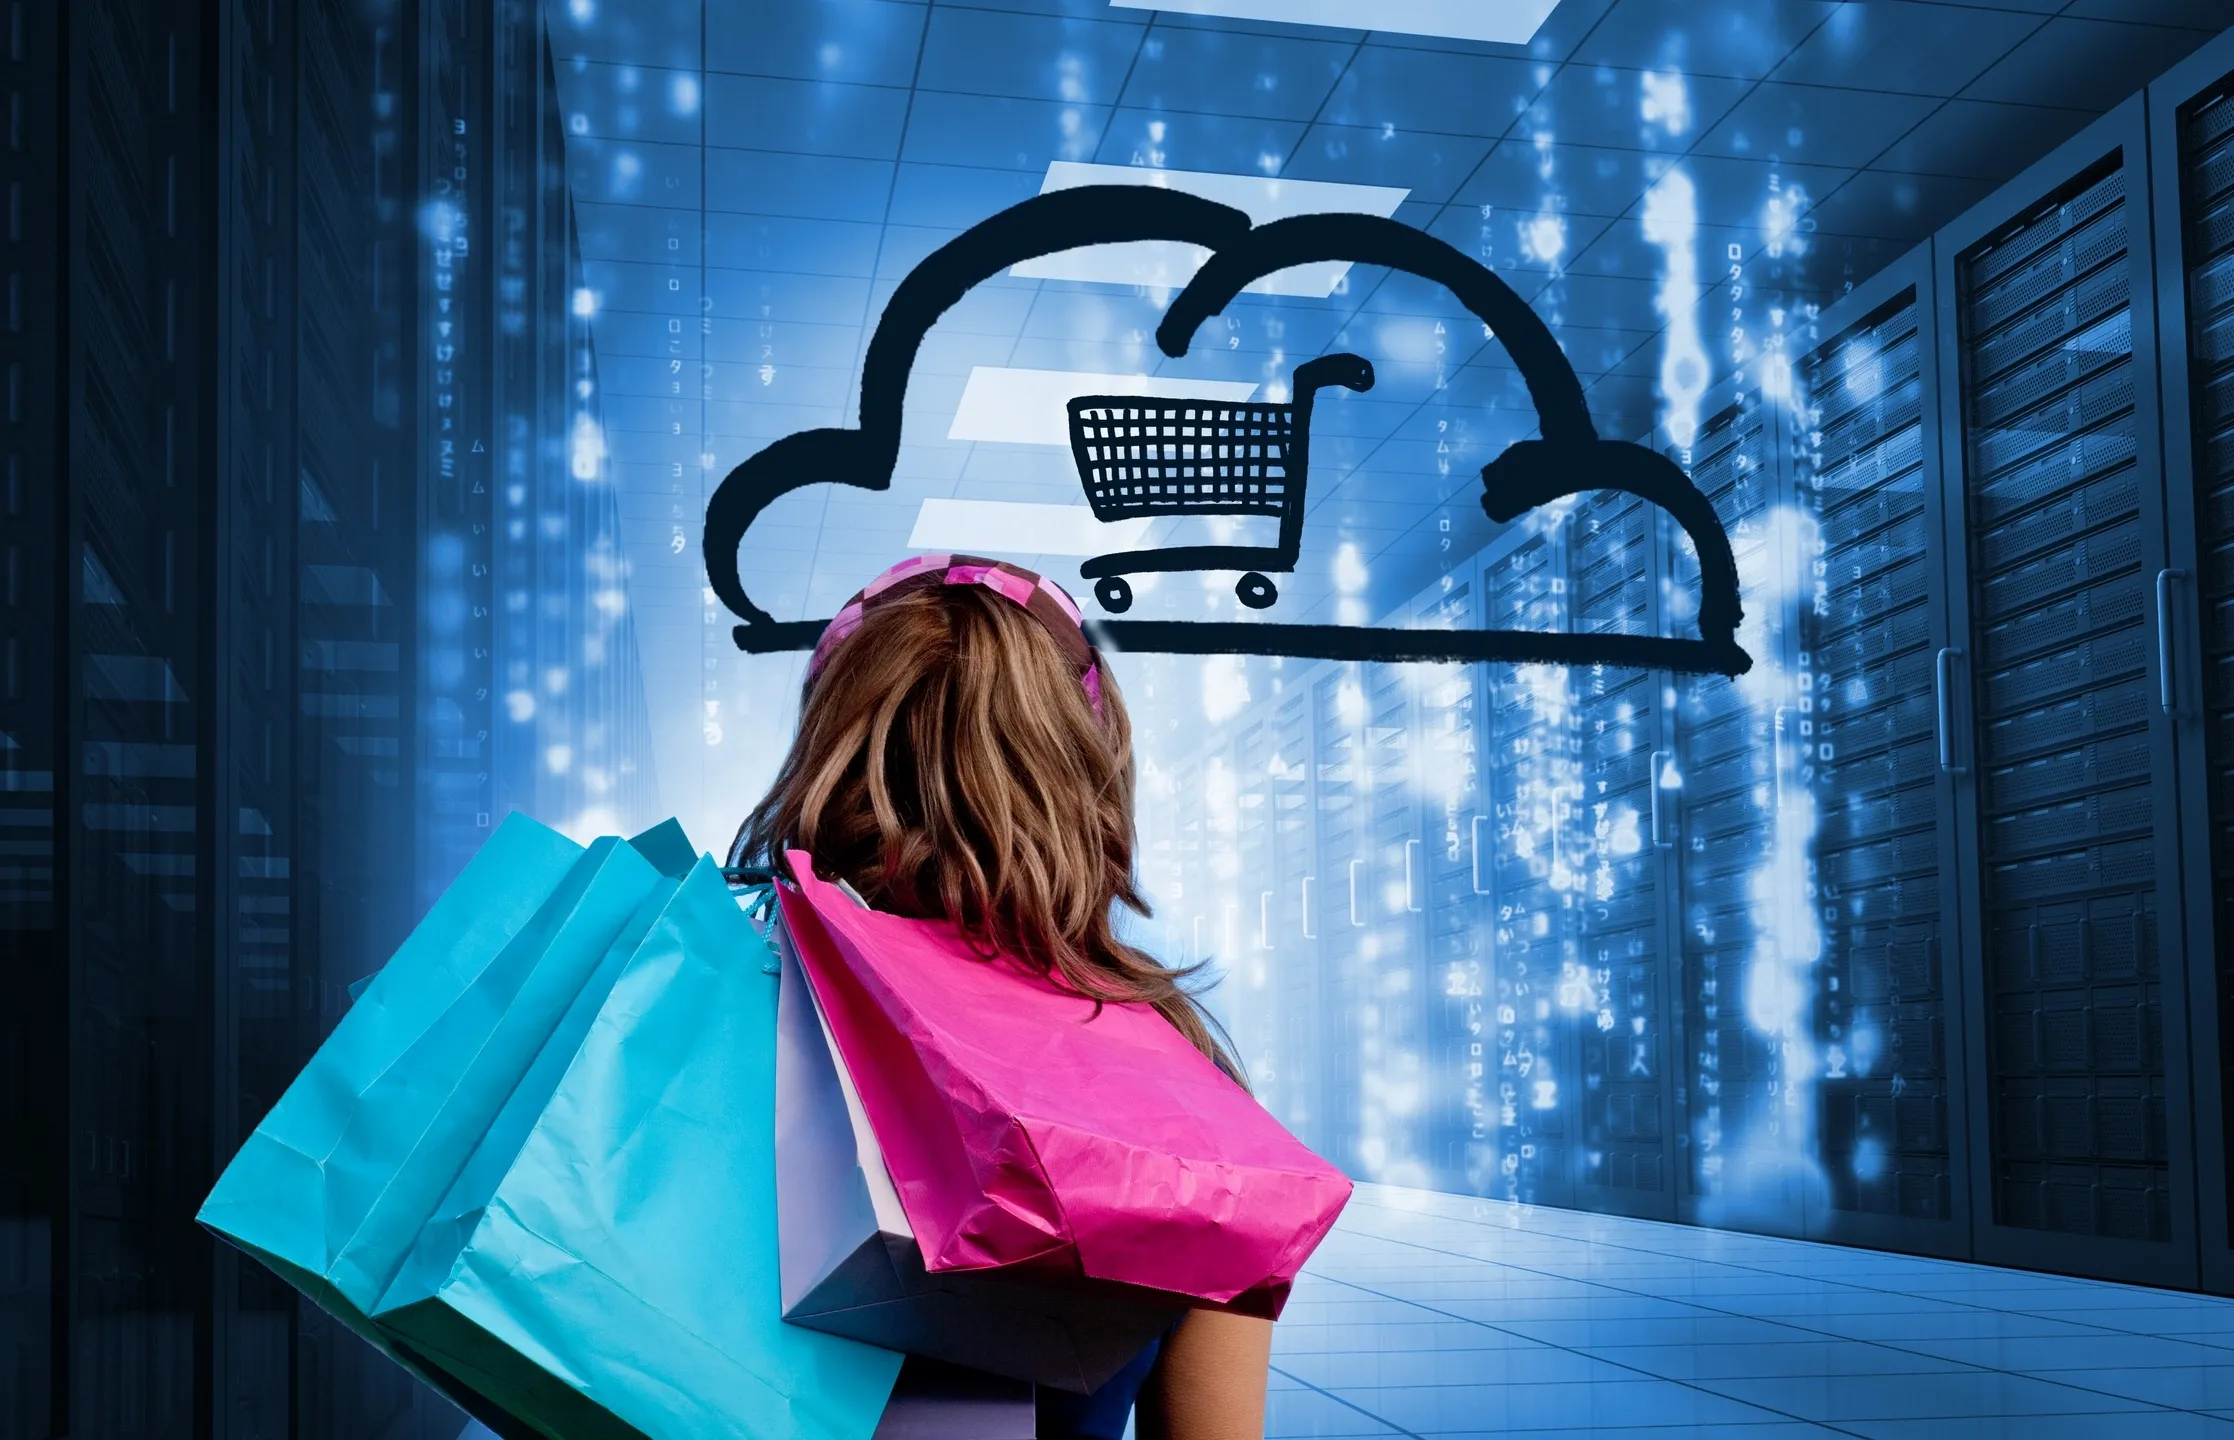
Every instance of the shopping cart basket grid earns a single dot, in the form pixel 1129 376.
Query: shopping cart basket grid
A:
pixel 1145 458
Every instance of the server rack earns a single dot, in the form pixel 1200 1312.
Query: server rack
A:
pixel 1620 825
pixel 2191 119
pixel 2076 980
pixel 1529 793
pixel 1872 626
pixel 1742 1132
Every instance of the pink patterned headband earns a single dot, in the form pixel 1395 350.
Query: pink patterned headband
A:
pixel 1046 600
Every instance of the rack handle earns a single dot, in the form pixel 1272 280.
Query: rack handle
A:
pixel 1355 922
pixel 1660 836
pixel 1308 932
pixel 1411 877
pixel 1479 821
pixel 2167 679
pixel 1264 920
pixel 1946 690
pixel 1782 722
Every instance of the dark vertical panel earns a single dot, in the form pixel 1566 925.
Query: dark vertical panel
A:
pixel 457 342
pixel 250 779
pixel 1533 946
pixel 34 775
pixel 1626 1160
pixel 1867 635
pixel 142 486
pixel 352 890
pixel 2060 630
pixel 2206 185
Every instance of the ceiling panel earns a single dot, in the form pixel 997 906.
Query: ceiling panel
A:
pixel 1031 57
pixel 1981 139
pixel 871 42
pixel 1600 105
pixel 810 117
pixel 1430 166
pixel 1824 124
pixel 953 129
pixel 2084 63
pixel 1742 39
pixel 1260 76
pixel 1905 47
pixel 1447 92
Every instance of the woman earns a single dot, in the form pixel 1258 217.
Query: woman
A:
pixel 963 755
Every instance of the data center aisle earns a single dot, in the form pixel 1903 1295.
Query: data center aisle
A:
pixel 1428 1314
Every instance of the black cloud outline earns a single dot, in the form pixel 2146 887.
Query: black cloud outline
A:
pixel 1570 459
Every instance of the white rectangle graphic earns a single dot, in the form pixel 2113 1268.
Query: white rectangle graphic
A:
pixel 1167 264
pixel 1027 407
pixel 1012 527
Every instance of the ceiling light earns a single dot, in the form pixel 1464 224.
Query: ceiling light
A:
pixel 1500 22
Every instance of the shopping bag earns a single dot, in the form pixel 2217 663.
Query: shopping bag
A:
pixel 334 1184
pixel 1023 1128
pixel 850 1264
pixel 607 1264
pixel 932 1401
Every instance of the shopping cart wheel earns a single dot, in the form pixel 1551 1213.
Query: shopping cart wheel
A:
pixel 1255 591
pixel 1115 594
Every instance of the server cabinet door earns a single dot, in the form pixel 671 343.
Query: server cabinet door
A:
pixel 1460 1154
pixel 2191 116
pixel 1393 1013
pixel 2067 813
pixel 1750 1157
pixel 1344 836
pixel 1291 941
pixel 1625 1154
pixel 1872 624
pixel 1246 906
pixel 1529 774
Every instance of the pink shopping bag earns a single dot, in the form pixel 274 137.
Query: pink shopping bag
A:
pixel 1021 1129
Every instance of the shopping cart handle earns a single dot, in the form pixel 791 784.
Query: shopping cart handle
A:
pixel 1351 372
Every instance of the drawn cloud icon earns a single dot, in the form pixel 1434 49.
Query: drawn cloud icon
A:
pixel 1569 459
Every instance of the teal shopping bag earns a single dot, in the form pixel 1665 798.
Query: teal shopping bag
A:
pixel 334 1186
pixel 608 1264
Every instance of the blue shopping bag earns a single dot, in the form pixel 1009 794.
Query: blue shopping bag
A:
pixel 607 1265
pixel 334 1186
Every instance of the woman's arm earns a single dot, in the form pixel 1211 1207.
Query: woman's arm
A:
pixel 1209 1382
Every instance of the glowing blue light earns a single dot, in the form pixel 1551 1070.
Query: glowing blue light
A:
pixel 585 306
pixel 587 447
pixel 1780 219
pixel 682 94
pixel 1671 223
pixel 1667 101
pixel 1544 238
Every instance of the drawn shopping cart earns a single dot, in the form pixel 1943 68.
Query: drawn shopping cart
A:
pixel 1140 458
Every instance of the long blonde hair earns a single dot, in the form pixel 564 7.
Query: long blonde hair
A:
pixel 949 765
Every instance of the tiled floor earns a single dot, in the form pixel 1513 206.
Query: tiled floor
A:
pixel 1437 1315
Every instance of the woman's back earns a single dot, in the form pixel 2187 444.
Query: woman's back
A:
pixel 963 755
